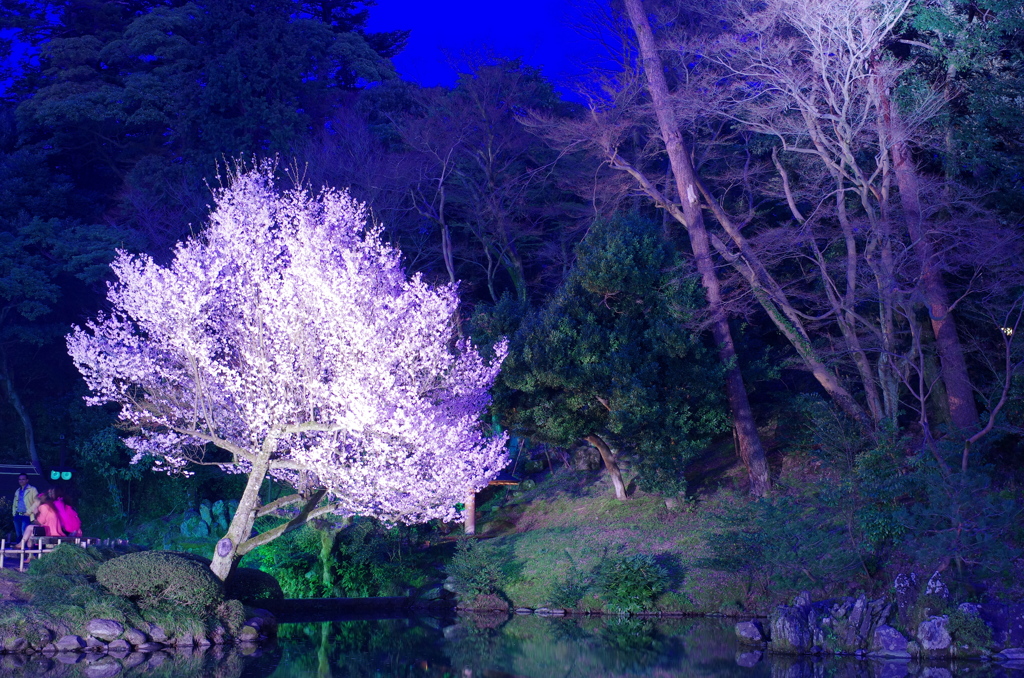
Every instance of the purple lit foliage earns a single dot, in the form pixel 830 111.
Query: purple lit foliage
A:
pixel 289 336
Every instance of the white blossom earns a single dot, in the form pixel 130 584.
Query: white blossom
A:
pixel 289 329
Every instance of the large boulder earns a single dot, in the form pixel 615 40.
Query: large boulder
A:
pixel 933 635
pixel 104 629
pixel 888 642
pixel 750 633
pixel 790 630
pixel 70 644
pixel 845 625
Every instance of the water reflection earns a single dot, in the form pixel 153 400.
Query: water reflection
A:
pixel 477 646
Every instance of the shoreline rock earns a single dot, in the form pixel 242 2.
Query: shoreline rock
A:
pixel 101 637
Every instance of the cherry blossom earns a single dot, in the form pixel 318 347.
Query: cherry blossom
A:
pixel 287 340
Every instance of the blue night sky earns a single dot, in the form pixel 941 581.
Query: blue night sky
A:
pixel 540 31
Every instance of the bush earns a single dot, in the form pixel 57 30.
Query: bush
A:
pixel 969 629
pixel 630 584
pixel 473 570
pixel 67 559
pixel 231 613
pixel 252 586
pixel 153 578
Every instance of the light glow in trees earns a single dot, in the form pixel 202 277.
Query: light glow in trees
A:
pixel 288 336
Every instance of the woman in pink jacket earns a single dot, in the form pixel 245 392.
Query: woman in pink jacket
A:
pixel 67 514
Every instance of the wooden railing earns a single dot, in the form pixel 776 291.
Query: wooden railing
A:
pixel 37 547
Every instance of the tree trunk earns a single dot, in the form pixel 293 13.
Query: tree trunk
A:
pixel 609 463
pixel 470 512
pixel 226 555
pixel 26 421
pixel 750 450
pixel 959 392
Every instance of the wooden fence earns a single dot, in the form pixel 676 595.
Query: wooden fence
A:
pixel 37 547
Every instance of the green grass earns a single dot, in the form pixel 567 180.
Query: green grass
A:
pixel 554 537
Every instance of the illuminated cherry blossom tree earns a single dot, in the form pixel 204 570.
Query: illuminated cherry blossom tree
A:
pixel 287 341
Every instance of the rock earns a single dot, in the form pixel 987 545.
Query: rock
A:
pixel 150 647
pixel 157 633
pixel 750 633
pixel 202 641
pixel 970 609
pixel 49 649
pixel 15 644
pixel 135 637
pixel 802 600
pixel 266 623
pixel 184 640
pixel 933 634
pixel 104 629
pixel 905 588
pixel 119 645
pixel 914 648
pixel 524 610
pixel 69 657
pixel 789 630
pixel 1011 654
pixel 748 659
pixel 70 644
pixel 888 642
pixel 936 587
pixel 672 504
pixel 248 634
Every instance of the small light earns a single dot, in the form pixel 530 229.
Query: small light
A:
pixel 1008 331
pixel 54 475
pixel 66 475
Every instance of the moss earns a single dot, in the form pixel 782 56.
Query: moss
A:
pixel 156 578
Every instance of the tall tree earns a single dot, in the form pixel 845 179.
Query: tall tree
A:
pixel 691 216
pixel 288 338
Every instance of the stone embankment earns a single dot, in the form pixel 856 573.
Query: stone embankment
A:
pixel 108 636
pixel 913 622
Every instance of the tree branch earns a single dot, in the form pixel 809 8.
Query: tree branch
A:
pixel 308 512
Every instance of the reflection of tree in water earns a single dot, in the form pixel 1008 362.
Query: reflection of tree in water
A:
pixel 563 647
pixel 353 649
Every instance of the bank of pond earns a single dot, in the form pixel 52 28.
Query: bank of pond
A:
pixel 475 644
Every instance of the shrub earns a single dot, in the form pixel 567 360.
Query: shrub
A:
pixel 630 584
pixel 67 559
pixel 152 578
pixel 251 586
pixel 473 571
pixel 231 613
pixel 969 629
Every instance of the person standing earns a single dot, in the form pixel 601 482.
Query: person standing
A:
pixel 25 505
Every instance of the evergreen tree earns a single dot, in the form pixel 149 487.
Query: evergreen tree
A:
pixel 605 361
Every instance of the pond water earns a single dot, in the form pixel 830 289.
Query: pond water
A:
pixel 474 646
